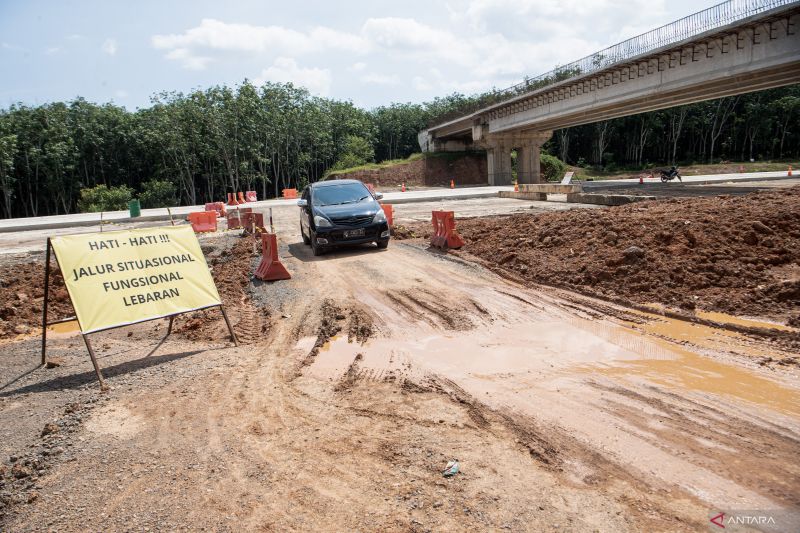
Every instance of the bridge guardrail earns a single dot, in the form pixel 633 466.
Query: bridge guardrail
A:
pixel 695 24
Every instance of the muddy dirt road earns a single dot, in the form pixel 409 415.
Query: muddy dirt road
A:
pixel 369 370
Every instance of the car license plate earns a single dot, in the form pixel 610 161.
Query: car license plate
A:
pixel 351 233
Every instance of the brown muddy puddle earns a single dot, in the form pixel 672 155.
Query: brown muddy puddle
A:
pixel 724 318
pixel 507 357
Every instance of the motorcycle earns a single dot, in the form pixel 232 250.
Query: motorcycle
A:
pixel 671 174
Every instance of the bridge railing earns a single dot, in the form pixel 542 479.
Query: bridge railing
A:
pixel 714 17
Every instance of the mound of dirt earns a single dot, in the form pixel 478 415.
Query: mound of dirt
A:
pixel 434 170
pixel 739 255
pixel 22 294
pixel 231 269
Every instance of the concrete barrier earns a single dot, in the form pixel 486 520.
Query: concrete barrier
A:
pixel 606 199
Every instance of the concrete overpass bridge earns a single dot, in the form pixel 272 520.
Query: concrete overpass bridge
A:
pixel 732 48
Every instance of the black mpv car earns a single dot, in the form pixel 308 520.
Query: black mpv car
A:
pixel 340 212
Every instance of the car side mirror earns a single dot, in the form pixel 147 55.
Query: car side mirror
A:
pixel 378 195
pixel 302 202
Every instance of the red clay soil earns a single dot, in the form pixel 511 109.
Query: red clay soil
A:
pixel 22 293
pixel 739 255
pixel 431 171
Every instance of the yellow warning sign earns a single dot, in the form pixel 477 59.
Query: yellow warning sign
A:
pixel 123 277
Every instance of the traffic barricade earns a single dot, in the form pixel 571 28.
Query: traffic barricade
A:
pixel 217 207
pixel 270 268
pixel 252 222
pixel 290 194
pixel 251 196
pixel 203 221
pixel 232 199
pixel 234 221
pixel 444 230
pixel 388 210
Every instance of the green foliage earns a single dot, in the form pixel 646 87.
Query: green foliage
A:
pixel 8 147
pixel 157 193
pixel 103 198
pixel 265 138
pixel 357 151
pixel 553 168
pixel 388 163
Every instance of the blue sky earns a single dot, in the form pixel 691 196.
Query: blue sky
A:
pixel 372 53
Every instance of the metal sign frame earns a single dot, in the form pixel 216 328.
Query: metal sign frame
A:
pixel 85 336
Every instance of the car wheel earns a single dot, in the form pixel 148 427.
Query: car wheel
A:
pixel 315 248
pixel 306 240
pixel 383 244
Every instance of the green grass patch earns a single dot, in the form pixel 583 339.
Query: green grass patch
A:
pixel 396 162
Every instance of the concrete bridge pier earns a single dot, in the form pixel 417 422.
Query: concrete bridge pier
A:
pixel 498 159
pixel 528 160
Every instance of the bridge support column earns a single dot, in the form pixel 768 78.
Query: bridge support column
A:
pixel 498 158
pixel 528 160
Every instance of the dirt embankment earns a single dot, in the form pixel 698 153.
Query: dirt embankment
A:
pixel 22 294
pixel 431 171
pixel 738 255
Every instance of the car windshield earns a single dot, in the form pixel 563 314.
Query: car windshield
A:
pixel 347 193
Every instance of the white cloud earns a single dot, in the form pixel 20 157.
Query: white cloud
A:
pixel 214 34
pixel 51 50
pixel 380 79
pixel 480 45
pixel 9 46
pixel 421 84
pixel 285 70
pixel 121 93
pixel 188 61
pixel 109 47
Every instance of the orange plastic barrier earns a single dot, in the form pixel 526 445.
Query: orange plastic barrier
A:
pixel 270 268
pixel 388 210
pixel 241 198
pixel 251 196
pixel 234 222
pixel 217 207
pixel 232 199
pixel 253 222
pixel 203 221
pixel 290 193
pixel 444 230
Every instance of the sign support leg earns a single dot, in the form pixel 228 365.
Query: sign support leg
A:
pixel 169 327
pixel 230 328
pixel 103 385
pixel 44 303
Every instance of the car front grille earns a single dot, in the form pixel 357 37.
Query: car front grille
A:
pixel 353 221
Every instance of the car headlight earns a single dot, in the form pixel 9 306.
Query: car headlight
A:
pixel 380 216
pixel 322 222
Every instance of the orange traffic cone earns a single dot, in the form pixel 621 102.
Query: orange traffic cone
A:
pixel 452 184
pixel 790 171
pixel 404 187
pixel 641 179
pixel 516 187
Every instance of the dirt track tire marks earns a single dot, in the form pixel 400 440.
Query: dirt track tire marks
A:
pixel 717 440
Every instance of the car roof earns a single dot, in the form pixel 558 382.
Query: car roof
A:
pixel 330 183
